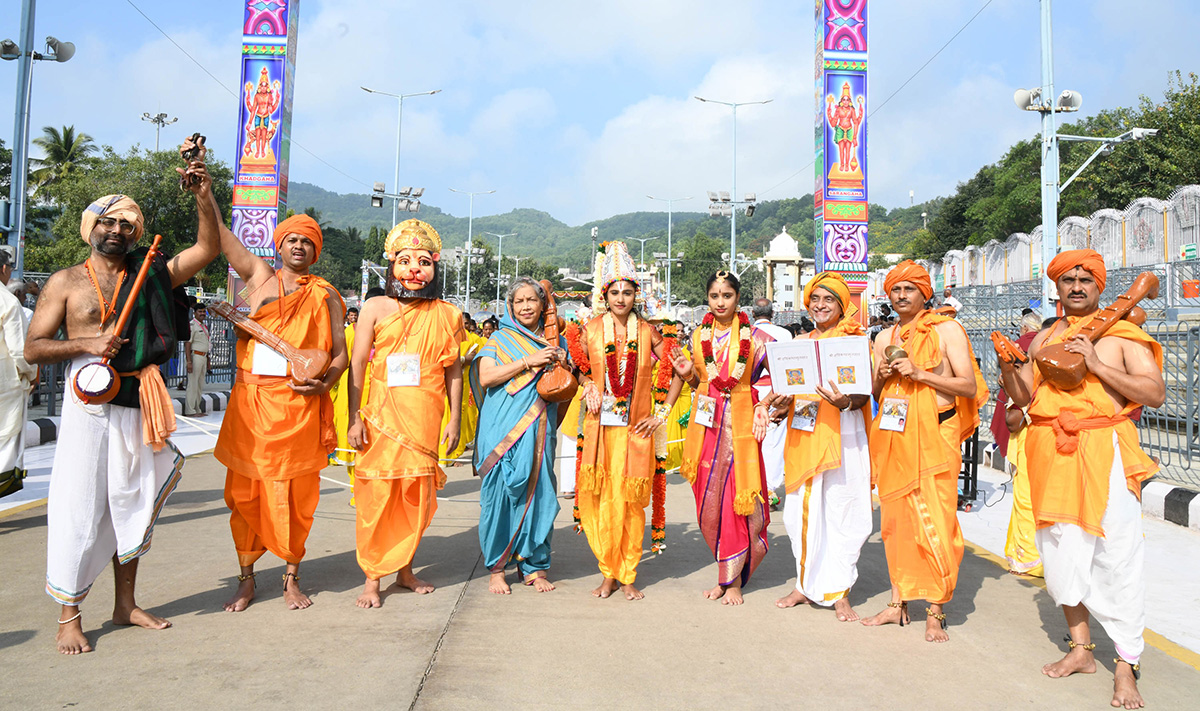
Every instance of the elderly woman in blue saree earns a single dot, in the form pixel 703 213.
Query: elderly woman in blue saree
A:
pixel 515 443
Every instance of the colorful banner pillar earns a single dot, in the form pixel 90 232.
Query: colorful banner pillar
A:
pixel 264 125
pixel 840 194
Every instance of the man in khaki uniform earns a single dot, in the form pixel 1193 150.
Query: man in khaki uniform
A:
pixel 197 349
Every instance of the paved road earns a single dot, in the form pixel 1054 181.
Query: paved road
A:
pixel 463 648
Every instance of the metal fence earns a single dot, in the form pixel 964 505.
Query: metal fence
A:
pixel 221 365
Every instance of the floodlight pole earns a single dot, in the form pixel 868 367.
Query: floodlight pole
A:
pixel 499 263
pixel 669 202
pixel 470 234
pixel 733 193
pixel 1049 173
pixel 399 119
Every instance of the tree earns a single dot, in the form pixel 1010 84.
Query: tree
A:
pixel 149 178
pixel 64 152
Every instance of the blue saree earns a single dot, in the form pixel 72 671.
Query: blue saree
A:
pixel 514 457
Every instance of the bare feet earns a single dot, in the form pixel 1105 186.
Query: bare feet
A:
pixel 1125 691
pixel 1077 661
pixel 934 631
pixel 370 595
pixel 795 597
pixel 889 616
pixel 542 584
pixel 295 599
pixel 406 579
pixel 242 597
pixel 715 593
pixel 498 585
pixel 607 587
pixel 70 639
pixel 139 617
pixel 632 593
pixel 845 613
pixel 733 595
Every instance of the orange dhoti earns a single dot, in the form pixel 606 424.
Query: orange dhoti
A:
pixel 273 440
pixel 271 516
pixel 398 475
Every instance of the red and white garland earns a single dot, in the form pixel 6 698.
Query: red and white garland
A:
pixel 620 374
pixel 741 331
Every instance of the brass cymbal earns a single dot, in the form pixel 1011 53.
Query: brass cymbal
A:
pixel 894 353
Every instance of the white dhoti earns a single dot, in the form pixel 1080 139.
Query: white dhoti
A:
pixel 1105 574
pixel 772 454
pixel 12 428
pixel 107 489
pixel 195 384
pixel 565 466
pixel 829 519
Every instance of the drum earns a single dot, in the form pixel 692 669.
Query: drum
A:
pixel 96 383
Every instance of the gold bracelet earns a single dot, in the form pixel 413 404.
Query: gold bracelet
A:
pixel 662 412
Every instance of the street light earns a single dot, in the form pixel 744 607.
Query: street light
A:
pixel 733 188
pixel 55 51
pixel 517 266
pixel 499 256
pixel 399 117
pixel 1040 100
pixel 642 259
pixel 159 120
pixel 670 202
pixel 470 234
pixel 405 200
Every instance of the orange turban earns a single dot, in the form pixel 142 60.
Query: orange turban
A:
pixel 1089 259
pixel 301 225
pixel 114 206
pixel 910 271
pixel 835 284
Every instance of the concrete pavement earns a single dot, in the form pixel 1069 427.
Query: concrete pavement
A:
pixel 464 648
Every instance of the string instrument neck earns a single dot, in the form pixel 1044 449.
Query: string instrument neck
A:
pixel 1125 305
pixel 256 330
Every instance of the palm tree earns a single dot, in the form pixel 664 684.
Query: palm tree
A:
pixel 64 152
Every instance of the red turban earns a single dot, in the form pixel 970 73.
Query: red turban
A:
pixel 301 225
pixel 909 271
pixel 1089 259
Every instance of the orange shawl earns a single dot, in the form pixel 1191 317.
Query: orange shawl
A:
pixel 1069 446
pixel 639 458
pixel 900 460
pixel 746 472
pixel 807 454
pixel 271 432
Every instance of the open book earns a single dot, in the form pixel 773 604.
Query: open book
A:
pixel 798 366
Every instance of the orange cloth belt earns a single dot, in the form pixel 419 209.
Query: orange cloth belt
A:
pixel 158 412
pixel 1067 427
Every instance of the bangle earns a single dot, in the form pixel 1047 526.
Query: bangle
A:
pixel 525 363
pixel 662 411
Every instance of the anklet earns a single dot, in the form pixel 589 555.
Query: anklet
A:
pixel 1072 644
pixel 77 616
pixel 939 616
pixel 250 577
pixel 1135 668
pixel 903 607
pixel 295 576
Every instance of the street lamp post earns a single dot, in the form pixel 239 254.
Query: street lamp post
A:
pixel 669 202
pixel 733 221
pixel 1042 100
pixel 470 234
pixel 399 118
pixel 642 259
pixel 159 120
pixel 499 257
pixel 9 50
pixel 517 266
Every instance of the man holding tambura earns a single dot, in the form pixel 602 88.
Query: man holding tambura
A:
pixel 109 483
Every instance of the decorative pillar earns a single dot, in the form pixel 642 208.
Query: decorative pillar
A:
pixel 840 193
pixel 264 125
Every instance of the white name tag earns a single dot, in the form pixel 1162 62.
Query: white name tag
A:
pixel 805 417
pixel 265 360
pixel 403 370
pixel 893 414
pixel 706 410
pixel 613 414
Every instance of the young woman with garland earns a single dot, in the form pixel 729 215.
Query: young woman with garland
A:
pixel 722 457
pixel 617 461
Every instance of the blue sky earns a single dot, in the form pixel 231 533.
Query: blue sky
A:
pixel 581 109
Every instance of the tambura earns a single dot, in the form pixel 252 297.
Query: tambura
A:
pixel 96 383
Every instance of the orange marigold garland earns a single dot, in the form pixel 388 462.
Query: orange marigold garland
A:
pixel 578 466
pixel 578 353
pixel 658 490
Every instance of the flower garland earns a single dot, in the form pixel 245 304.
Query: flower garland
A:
pixel 662 382
pixel 578 353
pixel 620 375
pixel 742 332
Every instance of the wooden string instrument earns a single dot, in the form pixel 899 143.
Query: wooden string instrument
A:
pixel 1066 370
pixel 557 383
pixel 303 363
pixel 97 382
pixel 1007 350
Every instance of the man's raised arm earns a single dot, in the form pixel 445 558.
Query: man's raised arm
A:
pixel 253 270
